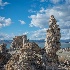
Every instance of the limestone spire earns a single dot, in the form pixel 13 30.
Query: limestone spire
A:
pixel 52 44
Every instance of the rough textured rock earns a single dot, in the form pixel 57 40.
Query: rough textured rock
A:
pixel 3 48
pixel 4 56
pixel 52 44
pixel 25 55
pixel 18 42
pixel 27 58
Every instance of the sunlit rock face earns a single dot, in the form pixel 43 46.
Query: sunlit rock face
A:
pixel 52 44
pixel 27 58
pixel 18 42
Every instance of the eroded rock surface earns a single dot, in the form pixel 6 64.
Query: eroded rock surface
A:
pixel 27 58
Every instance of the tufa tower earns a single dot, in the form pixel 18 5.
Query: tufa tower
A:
pixel 52 44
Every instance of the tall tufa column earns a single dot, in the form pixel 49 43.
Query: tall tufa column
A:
pixel 52 44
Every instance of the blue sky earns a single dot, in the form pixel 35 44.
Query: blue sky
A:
pixel 31 17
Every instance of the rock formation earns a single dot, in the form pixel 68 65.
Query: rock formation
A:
pixel 27 58
pixel 52 44
pixel 18 42
pixel 4 56
pixel 27 55
pixel 3 48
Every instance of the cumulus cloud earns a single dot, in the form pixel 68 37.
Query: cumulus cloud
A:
pixel 2 4
pixel 5 22
pixel 38 20
pixel 39 34
pixel 61 14
pixel 21 21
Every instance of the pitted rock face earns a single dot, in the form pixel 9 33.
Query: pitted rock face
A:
pixel 29 58
pixel 52 16
pixel 52 20
pixel 52 44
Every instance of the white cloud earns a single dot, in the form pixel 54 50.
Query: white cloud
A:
pixel 39 34
pixel 43 0
pixel 4 36
pixel 55 1
pixel 38 20
pixel 21 21
pixel 5 22
pixel 31 11
pixel 67 1
pixel 61 13
pixel 51 1
pixel 65 34
pixel 25 33
pixel 2 4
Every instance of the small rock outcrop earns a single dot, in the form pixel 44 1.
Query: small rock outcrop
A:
pixel 4 56
pixel 3 48
pixel 18 42
pixel 27 58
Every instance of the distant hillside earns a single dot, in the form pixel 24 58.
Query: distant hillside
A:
pixel 66 41
pixel 42 40
pixel 5 41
